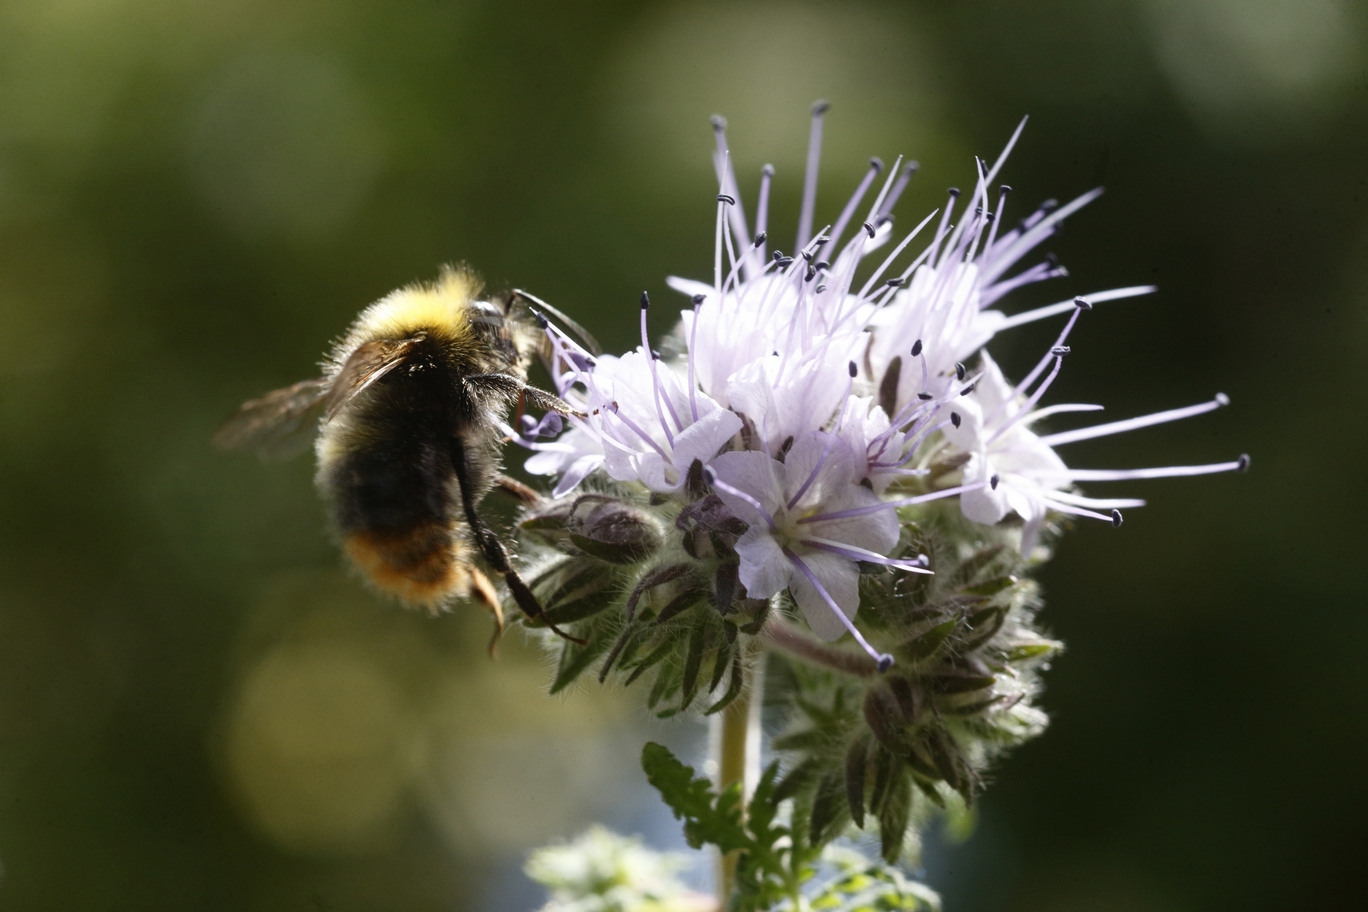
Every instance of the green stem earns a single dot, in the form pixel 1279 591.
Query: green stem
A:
pixel 736 751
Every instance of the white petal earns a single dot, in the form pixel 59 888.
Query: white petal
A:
pixel 755 473
pixel 841 579
pixel 702 439
pixel 764 570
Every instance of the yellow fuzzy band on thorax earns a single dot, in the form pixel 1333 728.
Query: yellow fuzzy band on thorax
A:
pixel 441 309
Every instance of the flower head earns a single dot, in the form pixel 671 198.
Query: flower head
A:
pixel 822 391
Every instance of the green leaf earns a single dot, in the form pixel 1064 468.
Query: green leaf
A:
pixel 856 762
pixel 893 818
pixel 829 810
pixel 733 686
pixel 709 818
pixel 693 662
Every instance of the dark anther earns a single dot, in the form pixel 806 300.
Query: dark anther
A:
pixel 968 389
pixel 820 241
pixel 821 288
pixel 1116 519
pixel 885 663
pixel 1049 204
pixel 852 369
pixel 645 300
pixel 768 170
pixel 869 228
pixel 699 298
pixel 725 198
pixel 954 192
pixel 925 397
pixel 777 254
pixel 960 371
pixel 719 123
pixel 978 210
pixel 876 163
pixel 760 239
pixel 955 419
pixel 822 264
pixel 916 348
pixel 709 475
pixel 895 283
pixel 990 217
pixel 1060 351
pixel 820 107
pixel 655 354
pixel 784 261
pixel 538 316
pixel 1222 399
pixel 1051 260
pixel 1005 189
pixel 1244 463
pixel 1082 304
pixel 811 274
pixel 993 482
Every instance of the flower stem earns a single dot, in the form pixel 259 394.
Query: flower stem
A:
pixel 782 635
pixel 736 751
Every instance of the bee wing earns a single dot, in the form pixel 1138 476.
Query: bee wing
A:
pixel 278 424
pixel 371 361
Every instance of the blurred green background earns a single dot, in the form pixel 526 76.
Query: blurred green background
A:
pixel 200 709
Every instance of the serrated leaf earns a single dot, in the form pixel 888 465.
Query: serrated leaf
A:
pixel 709 818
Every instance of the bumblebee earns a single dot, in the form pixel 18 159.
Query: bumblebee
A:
pixel 406 418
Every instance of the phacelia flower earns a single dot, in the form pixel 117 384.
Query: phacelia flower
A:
pixel 822 394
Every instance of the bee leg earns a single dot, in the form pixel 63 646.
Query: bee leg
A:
pixel 511 386
pixel 485 594
pixel 493 550
pixel 511 486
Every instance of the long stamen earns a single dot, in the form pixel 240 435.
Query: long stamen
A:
pixel 711 477
pixel 1131 424
pixel 872 217
pixel 656 391
pixel 896 192
pixel 875 166
pixel 762 209
pixel 884 660
pixel 1235 465
pixel 1025 408
pixel 635 428
pixel 726 176
pixel 1096 297
pixel 814 161
pixel 1019 247
pixel 860 554
pixel 891 504
pixel 888 260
